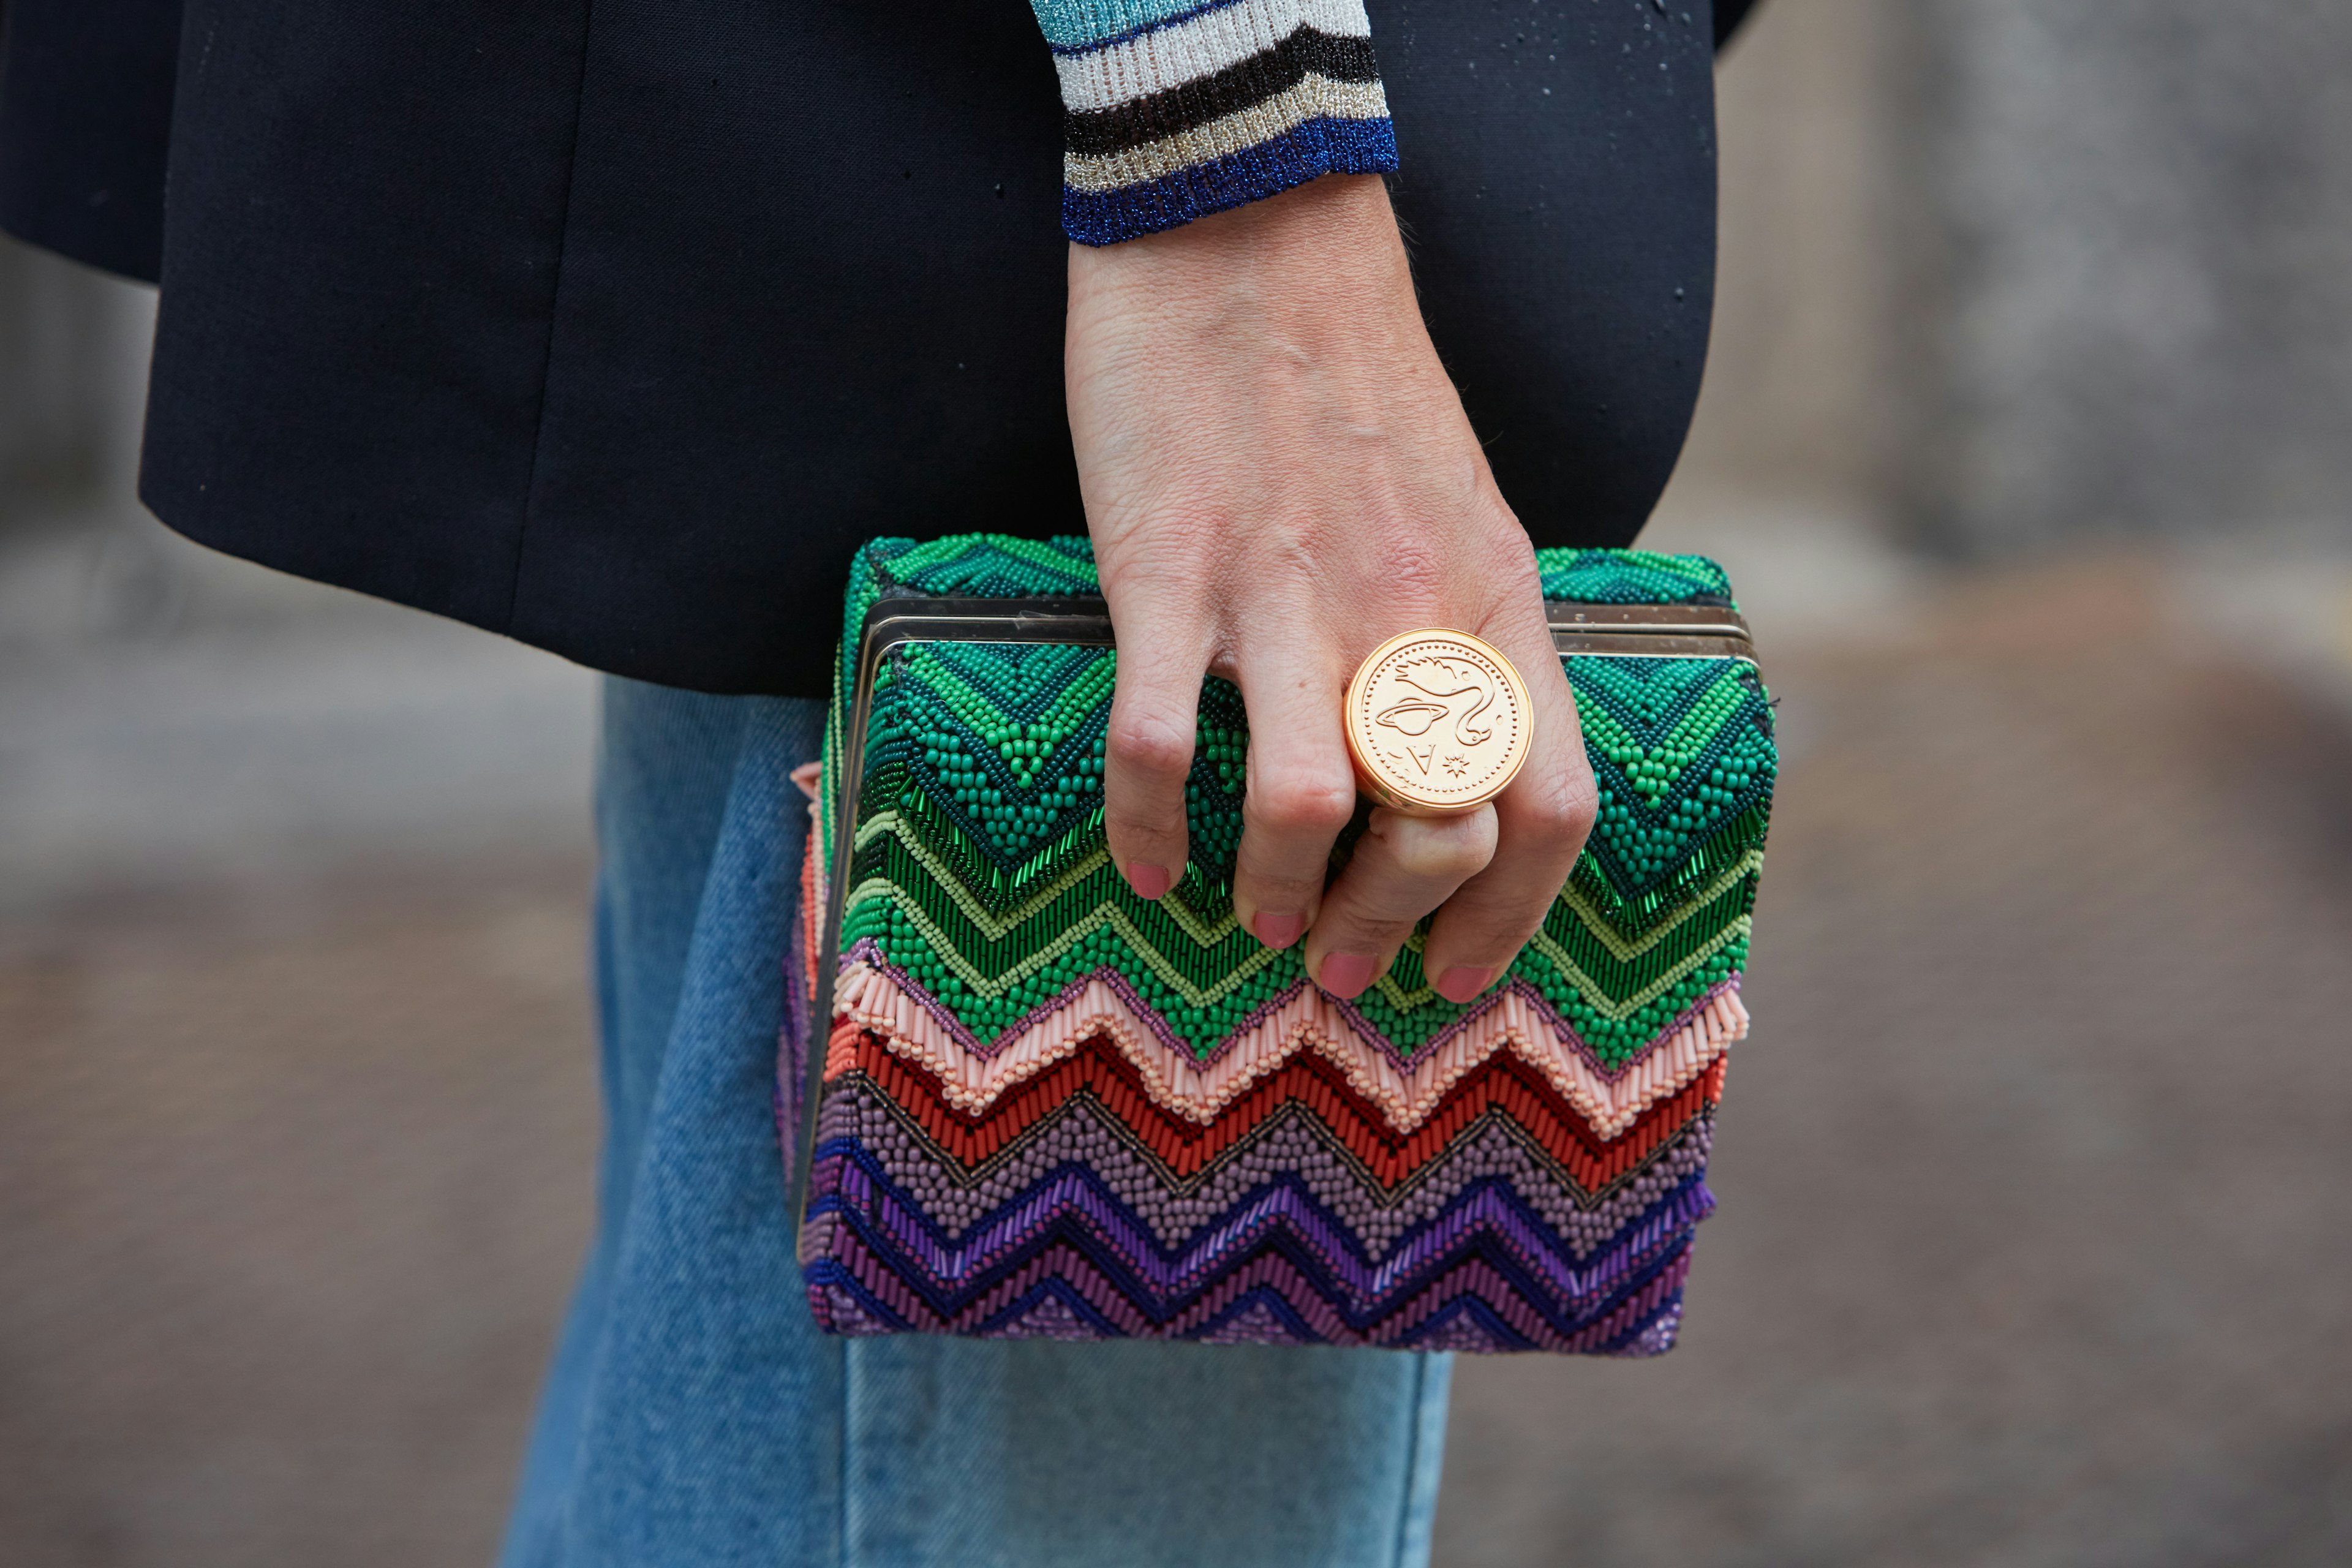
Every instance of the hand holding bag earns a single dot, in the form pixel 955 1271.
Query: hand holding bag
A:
pixel 1020 1102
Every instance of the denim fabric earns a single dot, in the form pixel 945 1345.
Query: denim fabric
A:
pixel 694 1416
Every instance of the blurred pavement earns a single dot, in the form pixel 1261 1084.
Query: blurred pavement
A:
pixel 296 1094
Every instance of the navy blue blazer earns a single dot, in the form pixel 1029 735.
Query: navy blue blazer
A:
pixel 617 329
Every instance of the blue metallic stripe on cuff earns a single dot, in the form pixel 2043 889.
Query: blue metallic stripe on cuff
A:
pixel 1316 147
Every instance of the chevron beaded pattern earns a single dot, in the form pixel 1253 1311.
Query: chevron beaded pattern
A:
pixel 1051 1108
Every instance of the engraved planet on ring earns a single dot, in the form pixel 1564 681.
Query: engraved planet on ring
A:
pixel 1438 722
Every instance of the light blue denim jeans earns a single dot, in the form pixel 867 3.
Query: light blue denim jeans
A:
pixel 694 1416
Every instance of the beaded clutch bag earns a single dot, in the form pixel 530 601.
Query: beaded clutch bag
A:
pixel 1021 1102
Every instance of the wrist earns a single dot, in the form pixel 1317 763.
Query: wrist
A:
pixel 1330 244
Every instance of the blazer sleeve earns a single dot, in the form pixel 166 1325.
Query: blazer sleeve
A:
pixel 1173 109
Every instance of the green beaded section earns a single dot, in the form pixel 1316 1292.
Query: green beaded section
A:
pixel 1683 754
pixel 961 566
pixel 1003 742
pixel 1207 976
pixel 999 567
pixel 979 864
pixel 1632 577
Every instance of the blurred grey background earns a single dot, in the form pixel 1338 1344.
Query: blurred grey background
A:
pixel 2025 437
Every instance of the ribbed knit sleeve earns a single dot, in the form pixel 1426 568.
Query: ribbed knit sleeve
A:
pixel 1173 109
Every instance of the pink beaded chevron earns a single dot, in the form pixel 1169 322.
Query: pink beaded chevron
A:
pixel 878 999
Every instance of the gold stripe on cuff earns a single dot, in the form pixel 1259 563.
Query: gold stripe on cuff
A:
pixel 1314 97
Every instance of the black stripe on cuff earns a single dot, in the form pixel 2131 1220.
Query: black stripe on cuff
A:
pixel 1138 121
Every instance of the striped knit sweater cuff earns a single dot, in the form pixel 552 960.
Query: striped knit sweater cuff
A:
pixel 1174 109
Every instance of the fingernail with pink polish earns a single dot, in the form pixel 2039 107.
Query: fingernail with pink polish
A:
pixel 1462 983
pixel 1344 974
pixel 1279 931
pixel 1148 882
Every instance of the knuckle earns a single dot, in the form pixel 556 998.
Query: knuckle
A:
pixel 1266 886
pixel 1347 925
pixel 1490 949
pixel 1444 851
pixel 1137 831
pixel 1559 811
pixel 1299 800
pixel 1415 571
pixel 1511 567
pixel 1148 743
pixel 1491 929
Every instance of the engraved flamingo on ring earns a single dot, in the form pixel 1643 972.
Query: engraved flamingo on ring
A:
pixel 1442 683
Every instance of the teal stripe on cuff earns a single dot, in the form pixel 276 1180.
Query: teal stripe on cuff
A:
pixel 1080 23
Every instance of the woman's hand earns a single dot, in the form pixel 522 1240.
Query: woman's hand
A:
pixel 1278 478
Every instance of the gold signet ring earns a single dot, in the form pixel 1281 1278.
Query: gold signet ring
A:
pixel 1438 722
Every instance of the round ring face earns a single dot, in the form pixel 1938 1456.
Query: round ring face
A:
pixel 1437 722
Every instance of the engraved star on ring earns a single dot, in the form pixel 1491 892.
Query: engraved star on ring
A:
pixel 1438 722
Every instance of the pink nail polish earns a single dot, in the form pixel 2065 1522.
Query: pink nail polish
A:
pixel 1148 882
pixel 1279 931
pixel 1462 983
pixel 1345 974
